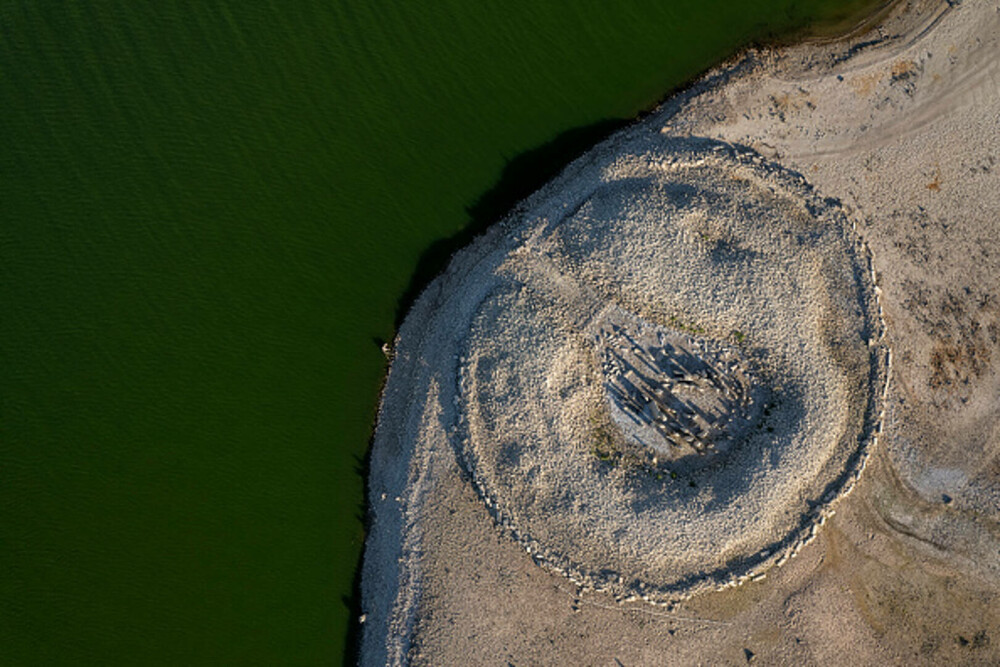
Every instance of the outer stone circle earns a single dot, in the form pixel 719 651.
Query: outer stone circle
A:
pixel 746 304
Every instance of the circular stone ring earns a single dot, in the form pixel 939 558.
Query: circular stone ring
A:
pixel 674 371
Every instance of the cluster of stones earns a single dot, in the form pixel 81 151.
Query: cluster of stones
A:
pixel 695 396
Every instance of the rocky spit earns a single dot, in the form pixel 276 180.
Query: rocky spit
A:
pixel 726 390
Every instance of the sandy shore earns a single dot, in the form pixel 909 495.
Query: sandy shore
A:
pixel 726 390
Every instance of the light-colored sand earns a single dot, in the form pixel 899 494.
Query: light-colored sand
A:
pixel 752 216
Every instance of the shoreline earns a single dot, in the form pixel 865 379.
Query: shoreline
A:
pixel 603 130
pixel 431 464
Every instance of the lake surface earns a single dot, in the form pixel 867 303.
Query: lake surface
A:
pixel 212 212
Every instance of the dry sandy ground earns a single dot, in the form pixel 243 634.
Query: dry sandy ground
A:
pixel 902 126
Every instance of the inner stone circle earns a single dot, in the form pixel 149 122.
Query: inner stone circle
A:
pixel 684 398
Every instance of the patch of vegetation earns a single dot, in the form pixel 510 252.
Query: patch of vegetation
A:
pixel 677 323
pixel 602 452
pixel 602 444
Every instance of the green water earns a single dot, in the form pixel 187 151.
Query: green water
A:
pixel 210 211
